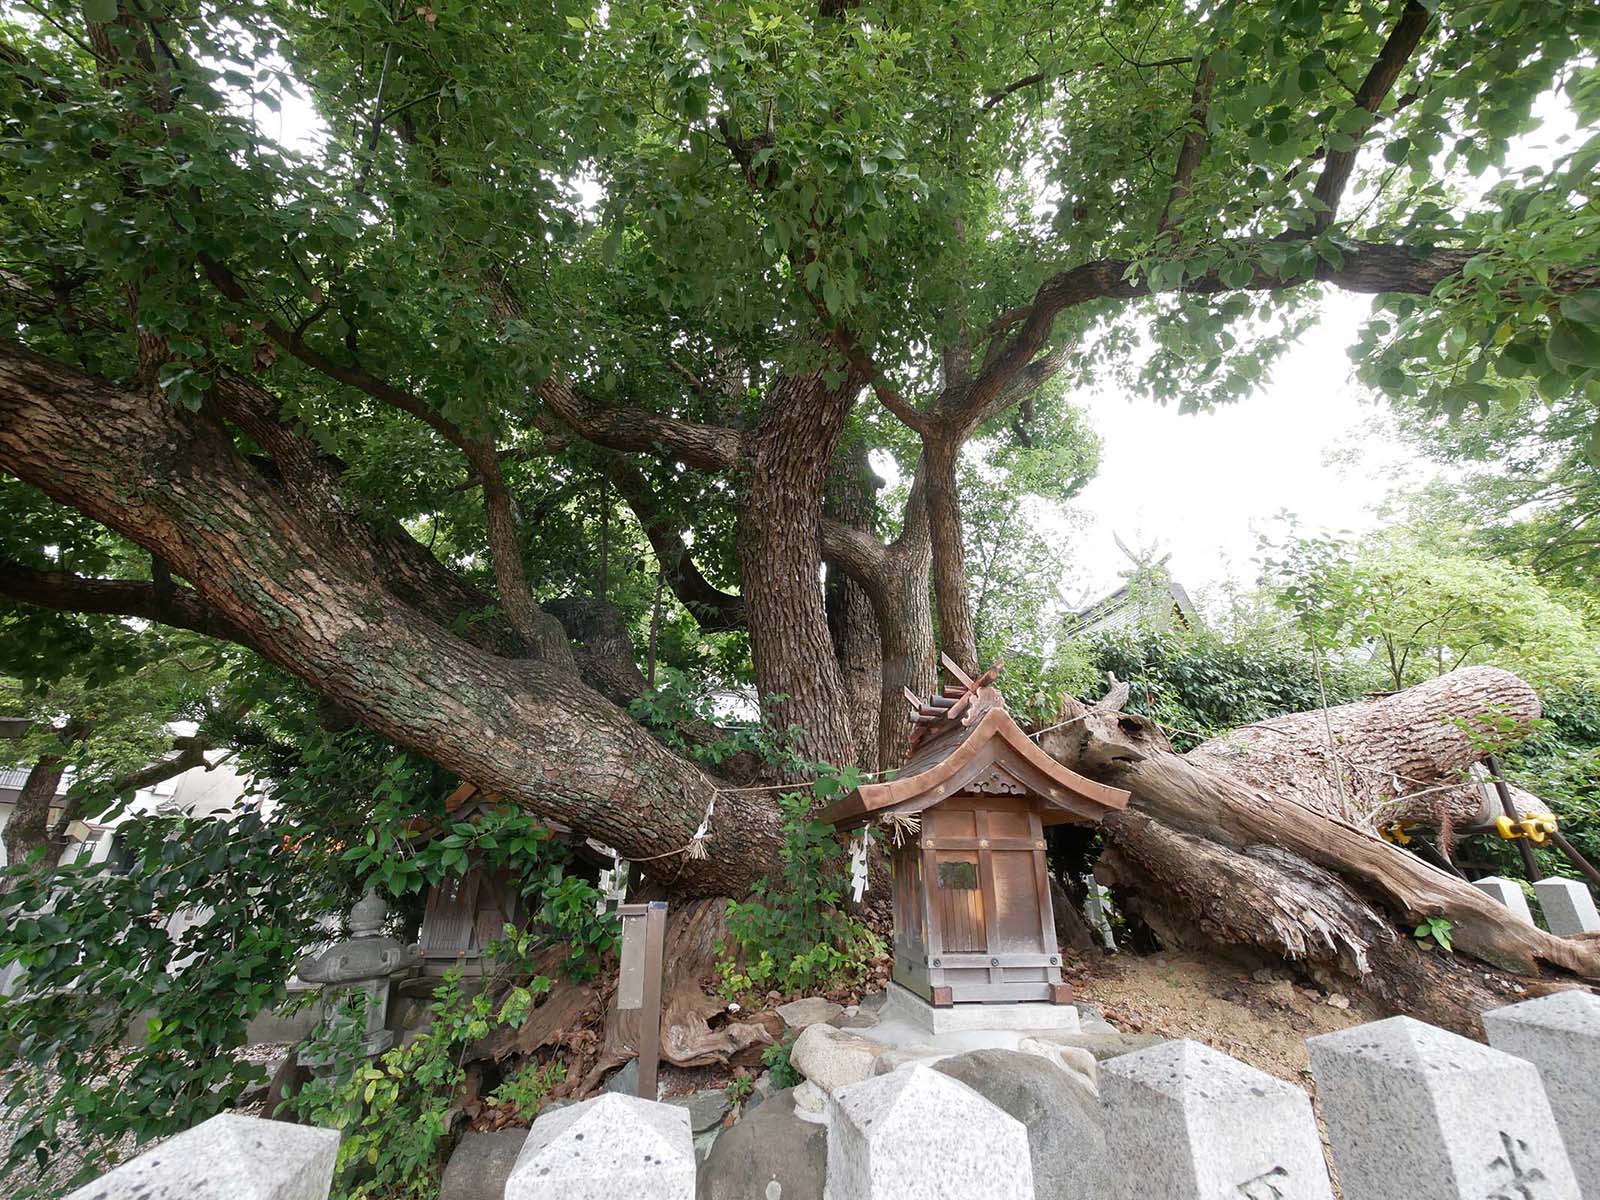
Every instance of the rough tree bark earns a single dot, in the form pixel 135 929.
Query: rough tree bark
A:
pixel 1401 757
pixel 1214 857
pixel 852 499
pixel 784 465
pixel 29 826
pixel 956 635
pixel 895 578
pixel 326 607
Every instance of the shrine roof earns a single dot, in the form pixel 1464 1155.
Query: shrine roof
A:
pixel 966 740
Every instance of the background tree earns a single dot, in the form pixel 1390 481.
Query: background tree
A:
pixel 1422 608
pixel 93 695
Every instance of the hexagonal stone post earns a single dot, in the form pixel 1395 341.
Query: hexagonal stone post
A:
pixel 606 1148
pixel 1419 1112
pixel 1509 892
pixel 1560 1034
pixel 228 1157
pixel 918 1134
pixel 1568 907
pixel 1191 1123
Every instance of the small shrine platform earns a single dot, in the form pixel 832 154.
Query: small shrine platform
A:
pixel 904 1005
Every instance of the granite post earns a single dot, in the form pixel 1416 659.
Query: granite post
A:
pixel 1568 907
pixel 918 1134
pixel 1419 1112
pixel 1560 1034
pixel 1194 1124
pixel 1508 892
pixel 608 1147
pixel 228 1157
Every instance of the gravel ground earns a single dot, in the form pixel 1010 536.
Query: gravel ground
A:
pixel 74 1152
pixel 27 1181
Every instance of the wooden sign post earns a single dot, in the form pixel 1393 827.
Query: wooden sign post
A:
pixel 644 928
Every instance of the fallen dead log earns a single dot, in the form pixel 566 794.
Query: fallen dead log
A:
pixel 1399 757
pixel 1219 857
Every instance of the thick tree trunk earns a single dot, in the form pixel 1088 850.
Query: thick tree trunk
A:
pixel 1401 757
pixel 784 468
pixel 28 830
pixel 310 598
pixel 1225 859
pixel 853 499
pixel 957 637
pixel 898 590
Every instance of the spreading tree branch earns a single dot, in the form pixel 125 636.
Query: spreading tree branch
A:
pixel 862 363
pixel 1397 51
pixel 180 607
pixel 351 375
pixel 708 447
pixel 714 610
pixel 96 798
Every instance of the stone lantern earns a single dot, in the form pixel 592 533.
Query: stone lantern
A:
pixel 366 962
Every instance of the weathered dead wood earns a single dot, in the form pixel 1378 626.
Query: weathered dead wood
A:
pixel 688 1036
pixel 1209 865
pixel 1272 903
pixel 1399 758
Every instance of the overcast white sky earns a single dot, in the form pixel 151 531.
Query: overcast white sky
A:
pixel 1202 486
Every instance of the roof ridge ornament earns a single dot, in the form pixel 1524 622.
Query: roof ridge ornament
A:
pixel 958 704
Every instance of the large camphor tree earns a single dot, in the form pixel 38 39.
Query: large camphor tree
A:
pixel 289 288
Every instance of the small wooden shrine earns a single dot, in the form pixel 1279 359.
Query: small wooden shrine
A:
pixel 967 814
pixel 465 914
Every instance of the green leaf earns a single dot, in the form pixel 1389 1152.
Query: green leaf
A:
pixel 101 12
pixel 1582 308
pixel 1573 344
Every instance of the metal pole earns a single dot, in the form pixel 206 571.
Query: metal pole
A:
pixel 1530 864
pixel 1578 860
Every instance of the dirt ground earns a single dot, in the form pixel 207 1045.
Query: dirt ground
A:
pixel 1261 1018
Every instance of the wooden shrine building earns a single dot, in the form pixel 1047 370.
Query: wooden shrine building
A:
pixel 465 914
pixel 967 811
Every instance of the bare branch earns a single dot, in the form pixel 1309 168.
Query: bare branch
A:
pixel 709 447
pixel 859 554
pixel 180 607
pixel 354 376
pixel 95 798
pixel 1015 86
pixel 1397 51
pixel 714 610
pixel 863 365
